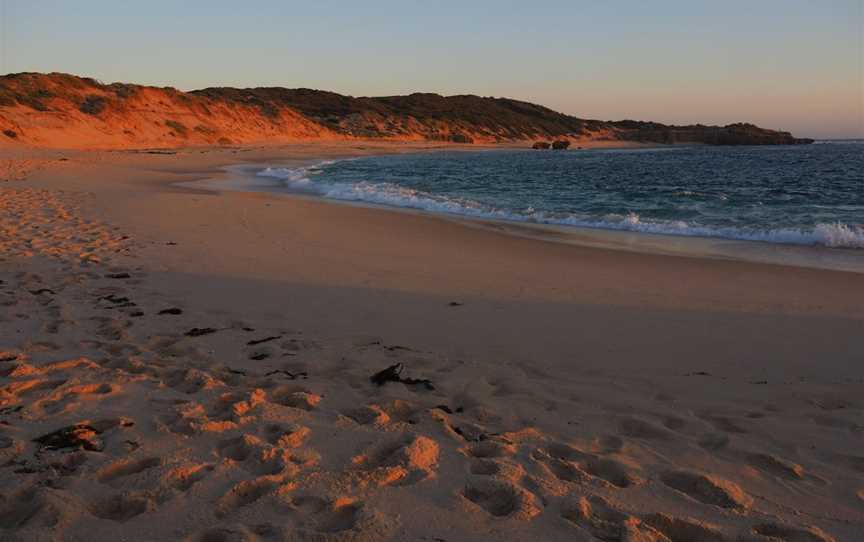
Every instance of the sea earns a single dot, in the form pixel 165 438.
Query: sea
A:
pixel 800 195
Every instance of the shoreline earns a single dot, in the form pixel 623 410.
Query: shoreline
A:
pixel 241 178
pixel 216 351
pixel 161 177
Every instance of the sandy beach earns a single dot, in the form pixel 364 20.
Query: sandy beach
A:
pixel 178 363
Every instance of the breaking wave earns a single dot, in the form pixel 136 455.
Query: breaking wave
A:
pixel 835 235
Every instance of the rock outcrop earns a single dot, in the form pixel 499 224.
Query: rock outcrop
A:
pixel 61 110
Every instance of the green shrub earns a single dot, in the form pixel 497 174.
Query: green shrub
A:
pixel 93 105
pixel 124 91
pixel 269 110
pixel 7 97
pixel 33 103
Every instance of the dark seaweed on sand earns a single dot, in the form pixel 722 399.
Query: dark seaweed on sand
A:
pixel 199 331
pixel 394 374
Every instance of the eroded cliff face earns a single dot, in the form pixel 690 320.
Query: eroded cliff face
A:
pixel 59 110
pixel 66 111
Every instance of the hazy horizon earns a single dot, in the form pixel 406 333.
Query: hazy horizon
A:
pixel 790 65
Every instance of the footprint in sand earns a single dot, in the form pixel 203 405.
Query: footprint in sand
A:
pixel 259 457
pixel 707 489
pixel 183 478
pixel 236 405
pixel 245 493
pixel 296 397
pixel 239 448
pixel 122 507
pixel 499 468
pixel 192 381
pixel 683 529
pixel 605 522
pixel 405 460
pixel 183 417
pixel 67 463
pixel 342 517
pixel 490 448
pixel 403 411
pixel 612 471
pixel 605 471
pixel 368 415
pixel 776 466
pixel 25 388
pixel 501 498
pixel 32 507
pixel 287 436
pixel 573 465
pixel 16 396
pixel 71 395
pixel 127 467
pixel 785 533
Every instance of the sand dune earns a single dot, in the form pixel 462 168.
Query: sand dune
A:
pixel 131 412
pixel 57 110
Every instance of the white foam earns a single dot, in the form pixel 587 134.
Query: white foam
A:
pixel 835 235
pixel 296 177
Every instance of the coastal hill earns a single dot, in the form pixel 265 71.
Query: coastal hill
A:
pixel 61 110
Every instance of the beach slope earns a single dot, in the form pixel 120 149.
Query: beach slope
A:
pixel 177 363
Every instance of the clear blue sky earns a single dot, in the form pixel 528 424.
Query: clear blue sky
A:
pixel 790 64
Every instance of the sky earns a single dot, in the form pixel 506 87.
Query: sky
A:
pixel 794 65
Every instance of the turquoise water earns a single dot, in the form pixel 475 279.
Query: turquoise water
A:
pixel 811 194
